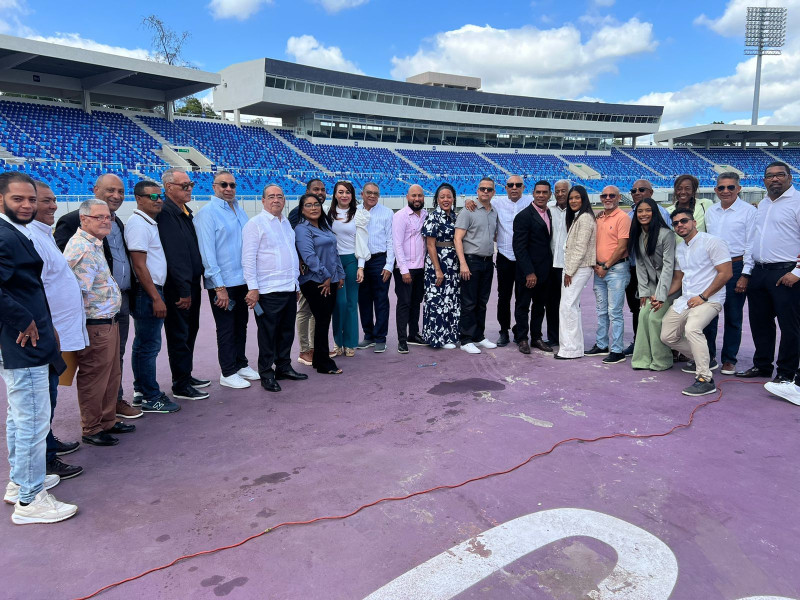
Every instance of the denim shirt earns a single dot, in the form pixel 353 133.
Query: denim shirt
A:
pixel 317 250
pixel 219 236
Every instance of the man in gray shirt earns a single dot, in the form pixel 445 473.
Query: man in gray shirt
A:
pixel 474 242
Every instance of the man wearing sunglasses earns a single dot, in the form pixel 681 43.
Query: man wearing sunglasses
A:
pixel 182 290
pixel 611 276
pixel 702 268
pixel 149 309
pixel 733 220
pixel 773 291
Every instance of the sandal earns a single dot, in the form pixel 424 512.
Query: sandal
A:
pixel 350 352
pixel 331 372
pixel 337 351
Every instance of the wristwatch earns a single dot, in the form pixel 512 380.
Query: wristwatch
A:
pixel 703 298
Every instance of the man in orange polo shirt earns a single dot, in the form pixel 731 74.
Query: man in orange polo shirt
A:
pixel 611 276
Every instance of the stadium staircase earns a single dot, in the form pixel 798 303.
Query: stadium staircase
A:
pixel 165 152
pixel 636 160
pixel 413 165
pixel 281 138
pixel 491 162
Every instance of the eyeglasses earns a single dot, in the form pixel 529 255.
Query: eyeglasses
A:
pixel 641 190
pixel 152 197
pixel 312 205
pixel 722 188
pixel 683 221
pixel 371 193
pixel 184 186
pixel 607 196
pixel 515 185
pixel 98 218
pixel 486 189
pixel 275 196
pixel 225 184
pixel 781 175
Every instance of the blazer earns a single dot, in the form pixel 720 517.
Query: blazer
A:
pixel 581 247
pixel 531 243
pixel 179 240
pixel 22 300
pixel 655 272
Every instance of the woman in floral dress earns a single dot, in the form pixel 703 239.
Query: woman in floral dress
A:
pixel 442 308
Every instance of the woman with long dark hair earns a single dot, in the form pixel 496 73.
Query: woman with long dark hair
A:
pixel 321 275
pixel 580 255
pixel 652 244
pixel 442 308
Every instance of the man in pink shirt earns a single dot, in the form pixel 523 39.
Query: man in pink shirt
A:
pixel 409 253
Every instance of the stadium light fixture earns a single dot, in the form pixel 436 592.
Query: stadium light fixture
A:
pixel 765 34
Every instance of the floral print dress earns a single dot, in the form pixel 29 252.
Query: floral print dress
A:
pixel 442 308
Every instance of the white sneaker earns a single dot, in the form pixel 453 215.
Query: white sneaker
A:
pixel 248 373
pixel 12 489
pixel 785 389
pixel 44 509
pixel 470 348
pixel 484 343
pixel 449 346
pixel 234 381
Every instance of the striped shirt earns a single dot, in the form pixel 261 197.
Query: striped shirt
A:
pixel 380 233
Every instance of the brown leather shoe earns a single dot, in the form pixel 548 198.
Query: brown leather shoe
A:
pixel 540 345
pixel 524 347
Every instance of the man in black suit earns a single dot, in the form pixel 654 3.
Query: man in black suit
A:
pixel 110 189
pixel 532 234
pixel 29 350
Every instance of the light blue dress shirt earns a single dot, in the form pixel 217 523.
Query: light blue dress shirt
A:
pixel 219 235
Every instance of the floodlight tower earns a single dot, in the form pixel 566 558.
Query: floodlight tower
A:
pixel 765 33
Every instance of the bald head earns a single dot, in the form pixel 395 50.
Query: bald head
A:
pixel 110 189
pixel 415 198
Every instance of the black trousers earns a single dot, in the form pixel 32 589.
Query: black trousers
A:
pixel 474 298
pixel 409 301
pixel 322 309
pixel 373 300
pixel 231 330
pixel 531 300
pixel 506 276
pixel 180 328
pixel 633 301
pixel 552 301
pixel 276 331
pixel 766 303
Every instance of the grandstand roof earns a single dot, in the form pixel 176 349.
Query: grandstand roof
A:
pixel 45 69
pixel 717 134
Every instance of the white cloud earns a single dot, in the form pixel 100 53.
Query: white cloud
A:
pixel 731 22
pixel 235 9
pixel 76 41
pixel 334 6
pixel 11 13
pixel 529 61
pixel 307 50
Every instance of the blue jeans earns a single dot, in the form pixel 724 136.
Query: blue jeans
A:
pixel 26 426
pixel 146 345
pixel 733 309
pixel 609 292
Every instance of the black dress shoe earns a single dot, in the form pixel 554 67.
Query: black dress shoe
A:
pixel 100 439
pixel 524 347
pixel 199 383
pixel 539 344
pixel 754 372
pixel 63 470
pixel 120 427
pixel 63 448
pixel 503 340
pixel 189 393
pixel 290 373
pixel 269 384
pixel 416 340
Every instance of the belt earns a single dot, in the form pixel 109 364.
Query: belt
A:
pixel 445 244
pixel 101 321
pixel 478 257
pixel 737 258
pixel 777 266
pixel 378 255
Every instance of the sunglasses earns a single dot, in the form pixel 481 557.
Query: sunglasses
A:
pixel 683 221
pixel 515 185
pixel 152 197
pixel 607 196
pixel 641 190
pixel 486 189
pixel 722 188
pixel 225 184
pixel 184 186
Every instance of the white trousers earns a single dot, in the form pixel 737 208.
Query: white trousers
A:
pixel 570 325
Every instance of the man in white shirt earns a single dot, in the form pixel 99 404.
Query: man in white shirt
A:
pixel 773 291
pixel 271 269
pixel 66 309
pixel 149 309
pixel 558 214
pixel 733 220
pixel 702 268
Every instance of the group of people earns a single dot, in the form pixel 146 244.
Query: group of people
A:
pixel 66 296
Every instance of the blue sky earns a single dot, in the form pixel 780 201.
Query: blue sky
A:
pixel 685 55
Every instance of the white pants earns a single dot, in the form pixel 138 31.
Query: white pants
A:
pixel 570 326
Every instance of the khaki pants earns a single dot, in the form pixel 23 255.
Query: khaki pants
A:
pixel 305 325
pixel 684 333
pixel 99 373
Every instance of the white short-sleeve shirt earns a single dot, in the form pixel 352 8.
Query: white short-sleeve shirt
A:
pixel 141 235
pixel 697 261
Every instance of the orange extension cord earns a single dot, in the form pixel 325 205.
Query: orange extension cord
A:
pixel 637 436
